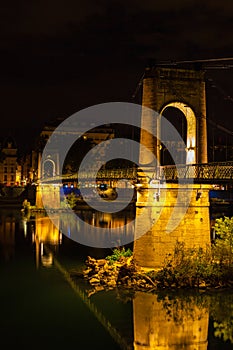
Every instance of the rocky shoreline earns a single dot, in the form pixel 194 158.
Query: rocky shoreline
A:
pixel 103 274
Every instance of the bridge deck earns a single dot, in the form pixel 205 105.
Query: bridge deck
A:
pixel 203 173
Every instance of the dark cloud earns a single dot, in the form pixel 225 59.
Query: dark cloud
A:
pixel 58 57
pixel 45 18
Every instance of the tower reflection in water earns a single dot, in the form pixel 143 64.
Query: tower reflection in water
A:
pixel 7 234
pixel 169 323
pixel 45 232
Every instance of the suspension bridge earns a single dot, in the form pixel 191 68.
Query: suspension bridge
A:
pixel 166 200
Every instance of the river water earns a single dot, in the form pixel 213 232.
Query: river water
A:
pixel 42 307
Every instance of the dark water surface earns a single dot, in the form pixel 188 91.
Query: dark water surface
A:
pixel 42 308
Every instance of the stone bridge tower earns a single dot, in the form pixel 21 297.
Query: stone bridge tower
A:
pixel 51 192
pixel 183 89
pixel 166 205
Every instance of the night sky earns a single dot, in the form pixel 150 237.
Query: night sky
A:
pixel 59 56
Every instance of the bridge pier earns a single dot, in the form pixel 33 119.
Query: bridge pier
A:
pixel 49 194
pixel 156 205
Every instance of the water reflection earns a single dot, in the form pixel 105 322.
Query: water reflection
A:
pixel 169 323
pixel 49 229
pixel 45 231
pixel 7 234
pixel 183 321
pixel 221 314
pixel 98 229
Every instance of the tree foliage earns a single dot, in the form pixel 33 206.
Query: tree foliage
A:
pixel 223 246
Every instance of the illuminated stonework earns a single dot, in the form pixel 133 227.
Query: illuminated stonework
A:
pixel 179 88
pixel 193 228
pixel 191 129
pixel 183 89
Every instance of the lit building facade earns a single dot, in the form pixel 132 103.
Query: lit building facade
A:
pixel 10 169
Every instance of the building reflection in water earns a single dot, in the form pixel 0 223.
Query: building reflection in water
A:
pixel 168 323
pixel 49 231
pixel 7 235
pixel 45 232
pixel 116 227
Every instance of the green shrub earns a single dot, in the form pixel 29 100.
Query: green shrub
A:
pixel 192 268
pixel 223 245
pixel 118 253
pixel 71 200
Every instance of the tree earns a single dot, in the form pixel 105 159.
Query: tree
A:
pixel 223 246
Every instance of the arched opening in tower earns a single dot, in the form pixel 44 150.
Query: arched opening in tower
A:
pixel 179 122
pixel 49 168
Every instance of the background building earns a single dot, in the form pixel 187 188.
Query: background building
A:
pixel 10 169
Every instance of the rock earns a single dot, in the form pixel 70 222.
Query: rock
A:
pixel 107 266
pixel 102 262
pixel 104 274
pixel 87 271
pixel 90 261
pixel 94 280
pixel 112 283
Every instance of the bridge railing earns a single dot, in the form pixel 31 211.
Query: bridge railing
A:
pixel 103 174
pixel 197 172
pixel 205 172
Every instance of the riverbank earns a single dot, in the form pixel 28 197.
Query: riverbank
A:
pixel 120 270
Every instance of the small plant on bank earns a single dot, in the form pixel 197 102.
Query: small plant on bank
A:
pixel 119 253
pixel 71 200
